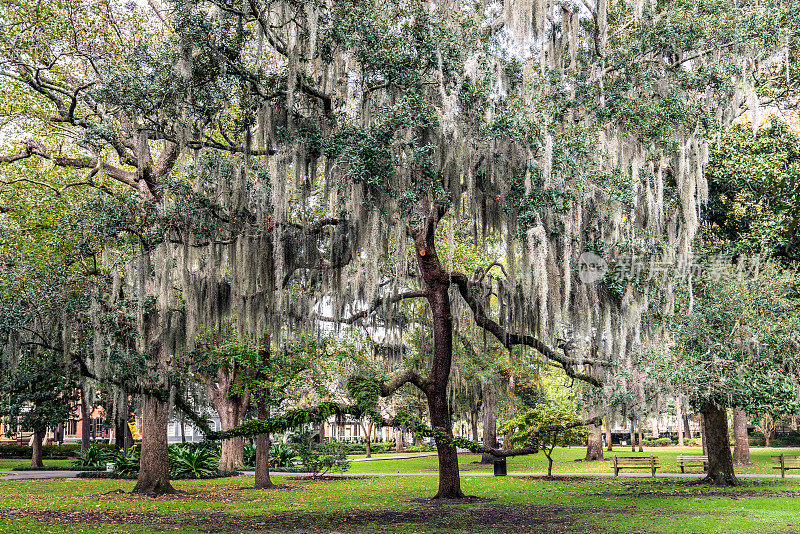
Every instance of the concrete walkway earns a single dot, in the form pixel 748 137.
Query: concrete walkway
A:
pixel 36 475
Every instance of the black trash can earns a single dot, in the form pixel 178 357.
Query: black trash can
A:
pixel 500 467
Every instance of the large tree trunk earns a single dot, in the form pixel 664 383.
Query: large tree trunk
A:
pixel 232 409
pixel 720 461
pixel 641 449
pixel 703 434
pixel 687 432
pixel 368 432
pixel 769 427
pixel 85 420
pixel 633 436
pixel 154 464
pixel 437 285
pixel 489 423
pixel 741 442
pixel 128 437
pixel 36 445
pixel 680 426
pixel 594 441
pixel 474 423
pixel 262 452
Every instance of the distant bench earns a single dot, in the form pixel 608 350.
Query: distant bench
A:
pixel 685 460
pixel 635 462
pixel 786 461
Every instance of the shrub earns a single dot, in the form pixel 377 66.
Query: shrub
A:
pixel 281 455
pixel 249 454
pixel 191 461
pixel 320 458
pixel 127 462
pixel 658 442
pixel 418 448
pixel 94 456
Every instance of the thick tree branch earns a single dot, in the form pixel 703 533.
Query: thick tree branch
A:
pixel 377 303
pixel 509 339
pixel 401 378
pixel 36 148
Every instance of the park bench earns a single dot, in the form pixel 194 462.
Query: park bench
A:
pixel 786 461
pixel 635 462
pixel 686 460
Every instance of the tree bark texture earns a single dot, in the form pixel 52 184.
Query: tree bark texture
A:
pixel 741 442
pixel 720 461
pixel 594 442
pixel 36 456
pixel 489 423
pixel 154 464
pixel 86 419
pixel 262 452
pixel 232 409
pixel 437 285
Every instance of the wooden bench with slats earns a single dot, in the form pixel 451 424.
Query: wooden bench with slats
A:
pixel 785 462
pixel 686 460
pixel 635 462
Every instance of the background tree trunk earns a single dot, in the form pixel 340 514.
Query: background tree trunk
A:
pixel 489 423
pixel 262 452
pixel 594 441
pixel 474 424
pixel 36 444
pixel 720 461
pixel 398 440
pixel 703 434
pixel 633 436
pixel 641 448
pixel 609 438
pixel 154 464
pixel 687 431
pixel 85 420
pixel 741 442
pixel 680 426
pixel 368 432
pixel 232 409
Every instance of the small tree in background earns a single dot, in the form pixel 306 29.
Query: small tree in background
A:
pixel 545 427
pixel 36 394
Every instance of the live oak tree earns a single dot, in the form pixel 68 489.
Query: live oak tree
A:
pixel 37 393
pixel 737 347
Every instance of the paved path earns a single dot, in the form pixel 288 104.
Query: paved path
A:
pixel 36 475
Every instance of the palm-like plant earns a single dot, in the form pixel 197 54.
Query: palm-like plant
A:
pixel 192 462
pixel 94 456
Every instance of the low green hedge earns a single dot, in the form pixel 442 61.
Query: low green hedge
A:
pixel 658 442
pixel 51 452
pixel 789 440
pixel 57 468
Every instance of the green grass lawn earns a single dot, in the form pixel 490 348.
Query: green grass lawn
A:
pixel 7 464
pixel 565 462
pixel 382 505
